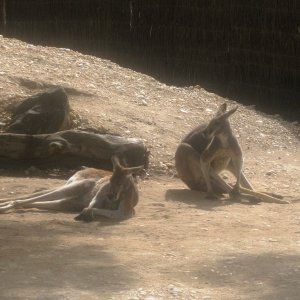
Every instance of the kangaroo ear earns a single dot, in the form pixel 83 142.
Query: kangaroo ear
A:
pixel 222 109
pixel 132 170
pixel 115 161
pixel 230 112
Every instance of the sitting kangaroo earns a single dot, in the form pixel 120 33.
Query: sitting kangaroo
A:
pixel 92 191
pixel 209 149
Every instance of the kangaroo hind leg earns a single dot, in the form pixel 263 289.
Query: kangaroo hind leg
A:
pixel 70 191
pixel 187 162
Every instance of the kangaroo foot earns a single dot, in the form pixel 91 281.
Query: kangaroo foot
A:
pixel 7 206
pixel 235 195
pixel 86 215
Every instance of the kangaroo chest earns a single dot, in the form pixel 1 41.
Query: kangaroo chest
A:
pixel 109 203
pixel 219 154
pixel 221 159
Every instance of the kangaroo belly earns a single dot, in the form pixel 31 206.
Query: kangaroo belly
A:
pixel 221 160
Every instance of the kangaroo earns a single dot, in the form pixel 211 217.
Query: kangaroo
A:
pixel 116 196
pixel 209 149
pixel 92 191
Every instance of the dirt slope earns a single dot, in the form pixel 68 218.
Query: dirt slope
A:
pixel 179 245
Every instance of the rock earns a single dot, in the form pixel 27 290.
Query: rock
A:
pixel 32 170
pixel 143 103
pixel 45 112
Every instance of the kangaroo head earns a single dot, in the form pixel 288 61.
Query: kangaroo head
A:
pixel 219 124
pixel 121 178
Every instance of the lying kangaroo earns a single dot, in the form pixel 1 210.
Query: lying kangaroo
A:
pixel 93 192
pixel 209 149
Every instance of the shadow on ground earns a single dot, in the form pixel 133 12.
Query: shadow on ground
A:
pixel 278 273
pixel 52 263
pixel 197 199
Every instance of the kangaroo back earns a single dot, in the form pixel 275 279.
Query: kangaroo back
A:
pixel 89 173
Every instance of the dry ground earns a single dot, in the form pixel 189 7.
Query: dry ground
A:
pixel 179 245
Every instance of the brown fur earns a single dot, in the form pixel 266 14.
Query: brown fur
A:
pixel 209 149
pixel 94 192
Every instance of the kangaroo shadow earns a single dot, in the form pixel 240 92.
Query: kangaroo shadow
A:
pixel 101 220
pixel 195 198
pixel 198 199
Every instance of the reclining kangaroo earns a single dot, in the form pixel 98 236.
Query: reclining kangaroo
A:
pixel 209 149
pixel 92 191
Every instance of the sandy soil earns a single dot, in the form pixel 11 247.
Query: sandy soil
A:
pixel 179 245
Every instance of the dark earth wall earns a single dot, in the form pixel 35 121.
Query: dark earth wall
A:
pixel 248 50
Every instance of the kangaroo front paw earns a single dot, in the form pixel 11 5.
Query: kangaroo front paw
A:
pixel 86 215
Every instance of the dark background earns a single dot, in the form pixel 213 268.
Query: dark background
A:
pixel 245 50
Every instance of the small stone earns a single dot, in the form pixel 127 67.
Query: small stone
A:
pixel 272 240
pixel 175 290
pixel 169 165
pixel 143 103
pixel 271 172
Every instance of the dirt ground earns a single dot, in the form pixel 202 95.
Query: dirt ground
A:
pixel 179 245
